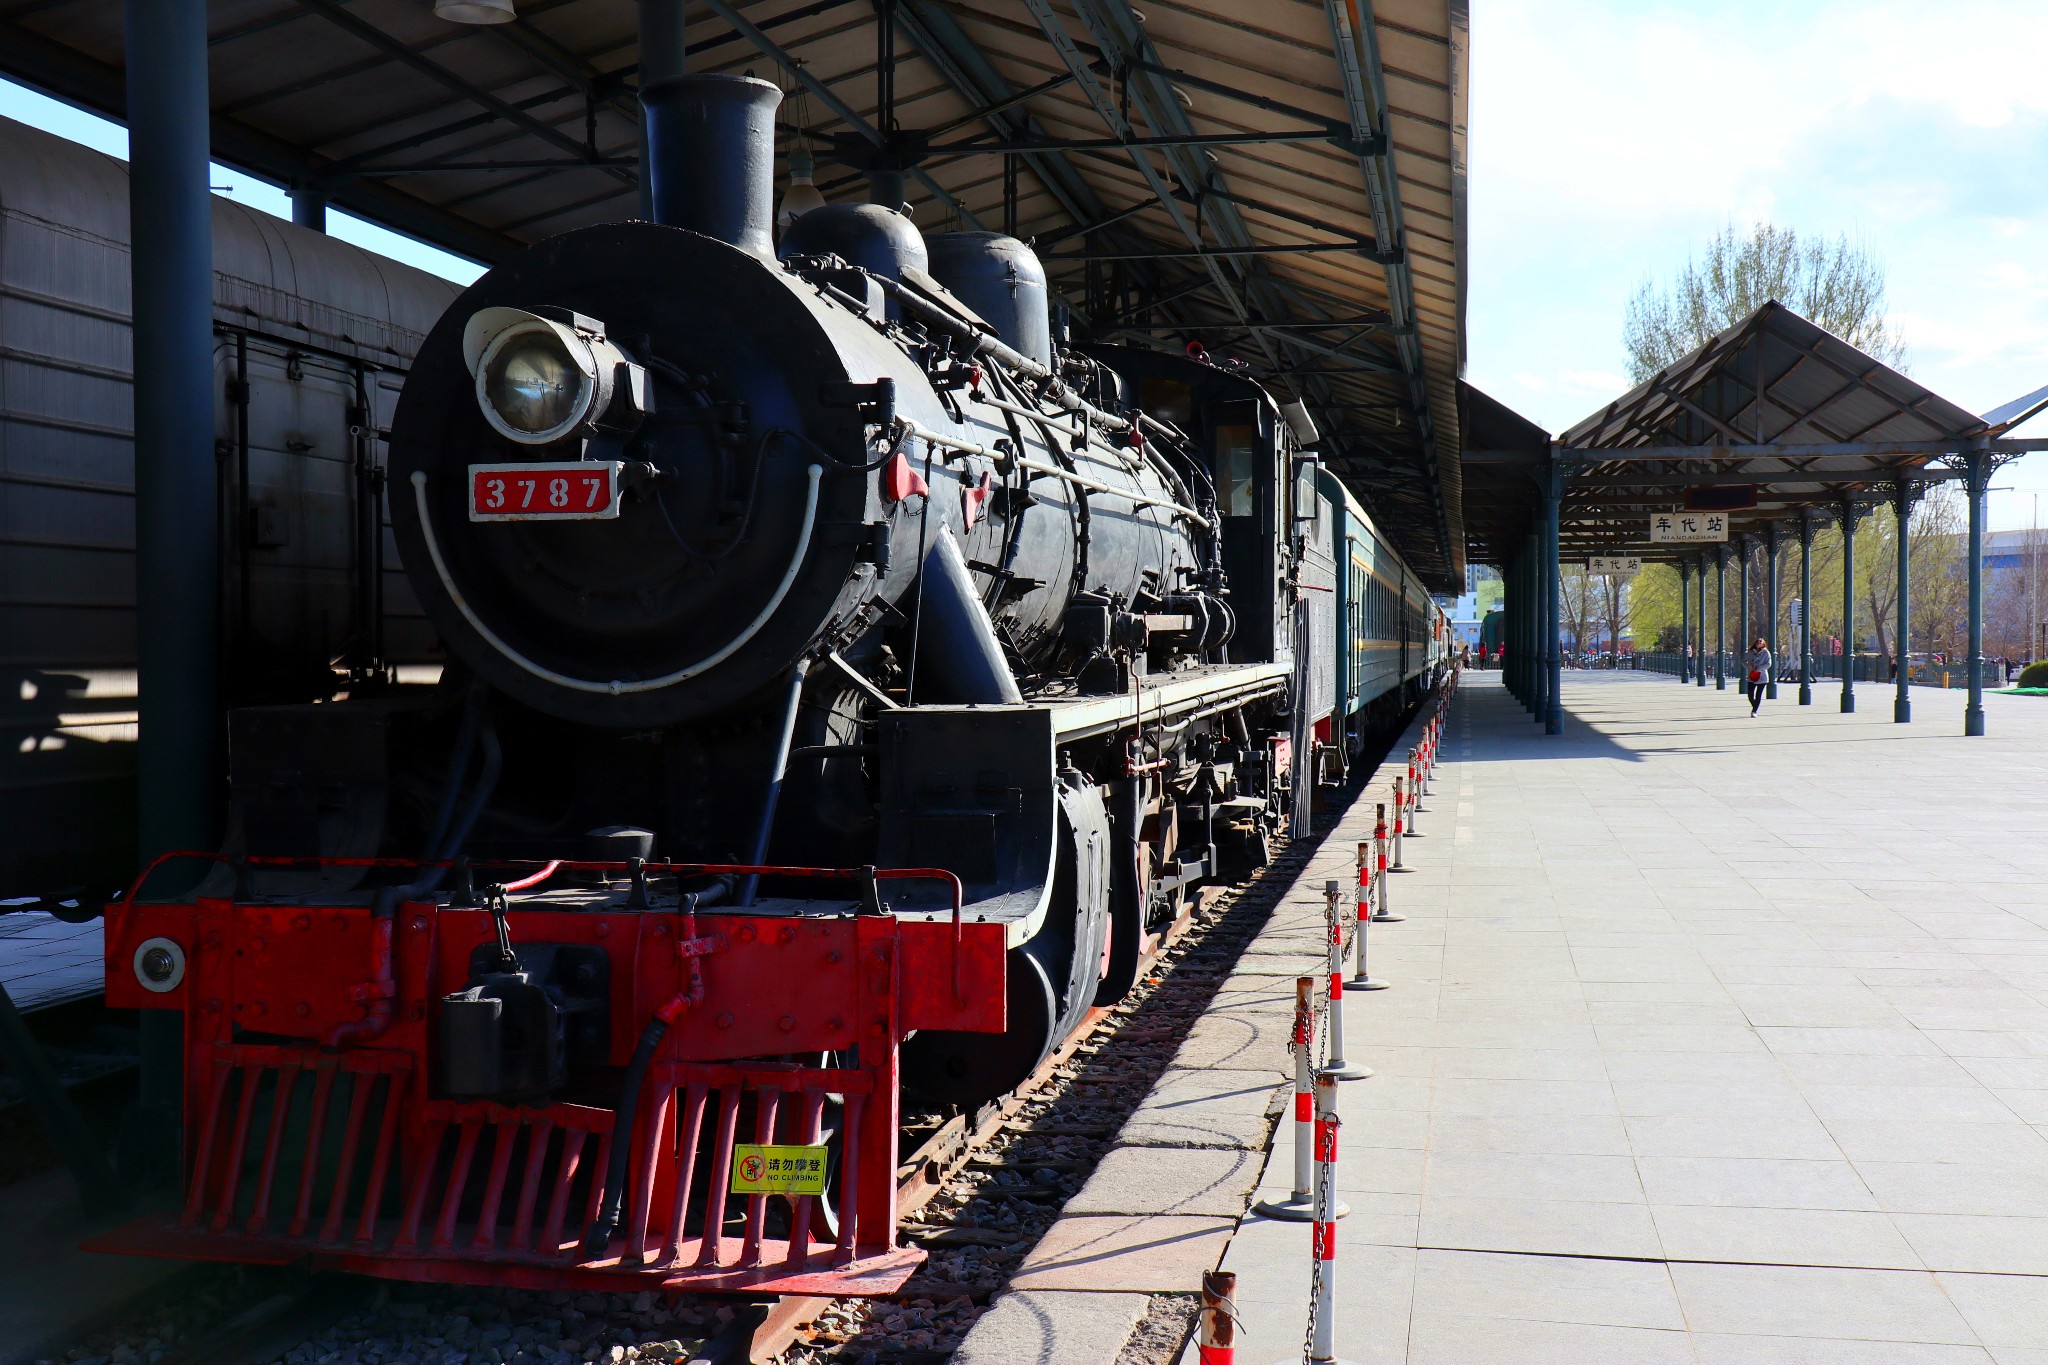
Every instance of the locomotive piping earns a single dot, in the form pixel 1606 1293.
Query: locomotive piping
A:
pixel 381 990
pixel 612 1203
pixel 618 687
pixel 458 769
pixel 1053 471
pixel 776 772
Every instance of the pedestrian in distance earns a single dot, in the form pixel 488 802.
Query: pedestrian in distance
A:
pixel 1759 674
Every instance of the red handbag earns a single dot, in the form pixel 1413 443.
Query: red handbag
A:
pixel 1755 676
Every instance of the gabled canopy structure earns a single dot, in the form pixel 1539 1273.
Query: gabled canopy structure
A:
pixel 1283 183
pixel 1775 425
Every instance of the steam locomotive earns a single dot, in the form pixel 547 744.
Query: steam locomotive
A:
pixel 856 681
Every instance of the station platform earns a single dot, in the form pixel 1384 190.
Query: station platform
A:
pixel 45 962
pixel 1710 1039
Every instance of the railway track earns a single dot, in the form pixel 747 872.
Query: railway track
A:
pixel 1008 1177
pixel 976 1193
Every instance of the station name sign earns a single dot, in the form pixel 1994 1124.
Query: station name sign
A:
pixel 1688 527
pixel 1614 566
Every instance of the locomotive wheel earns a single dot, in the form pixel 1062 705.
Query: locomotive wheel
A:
pixel 962 1068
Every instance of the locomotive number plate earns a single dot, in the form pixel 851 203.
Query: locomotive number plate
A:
pixel 544 492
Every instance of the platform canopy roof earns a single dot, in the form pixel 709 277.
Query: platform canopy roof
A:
pixel 1769 421
pixel 1283 182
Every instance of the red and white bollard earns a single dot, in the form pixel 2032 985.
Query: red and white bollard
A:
pixel 1400 821
pixel 1415 785
pixel 1299 1206
pixel 1365 870
pixel 1364 980
pixel 1336 1068
pixel 1379 843
pixel 1217 1344
pixel 1323 1340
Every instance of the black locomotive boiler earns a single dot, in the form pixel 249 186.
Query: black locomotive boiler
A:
pixel 853 683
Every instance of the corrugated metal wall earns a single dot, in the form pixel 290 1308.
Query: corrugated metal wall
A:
pixel 323 331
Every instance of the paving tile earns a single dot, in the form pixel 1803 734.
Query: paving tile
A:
pixel 1565 1134
pixel 1125 1255
pixel 1205 1109
pixel 1036 1327
pixel 1993 1146
pixel 1238 1042
pixel 1955 1187
pixel 1548 1288
pixel 1716 1348
pixel 1736 1182
pixel 1148 1180
pixel 1933 1103
pixel 1522 1175
pixel 1788 1237
pixel 2003 1310
pixel 1678 1038
pixel 1548 1226
pixel 2001 1244
pixel 1798 1301
pixel 1461 1340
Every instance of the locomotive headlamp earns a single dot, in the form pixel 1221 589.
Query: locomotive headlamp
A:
pixel 536 379
pixel 542 378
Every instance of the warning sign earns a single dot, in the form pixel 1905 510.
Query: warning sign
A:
pixel 761 1169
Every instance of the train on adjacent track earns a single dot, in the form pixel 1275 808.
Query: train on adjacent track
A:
pixel 851 680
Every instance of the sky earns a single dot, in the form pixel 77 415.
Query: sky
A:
pixel 26 106
pixel 1610 139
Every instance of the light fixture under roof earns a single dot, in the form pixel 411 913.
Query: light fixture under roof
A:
pixel 475 11
pixel 802 196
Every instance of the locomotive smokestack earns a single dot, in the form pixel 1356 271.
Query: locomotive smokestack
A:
pixel 711 157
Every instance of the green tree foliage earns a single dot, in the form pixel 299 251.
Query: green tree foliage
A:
pixel 1834 284
pixel 1652 604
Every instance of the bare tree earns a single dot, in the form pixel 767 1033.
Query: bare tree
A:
pixel 1578 604
pixel 1837 285
pixel 1881 584
pixel 1940 587
pixel 1618 607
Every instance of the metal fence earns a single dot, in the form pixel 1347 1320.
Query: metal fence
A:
pixel 1871 668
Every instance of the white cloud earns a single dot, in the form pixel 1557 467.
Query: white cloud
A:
pixel 1603 382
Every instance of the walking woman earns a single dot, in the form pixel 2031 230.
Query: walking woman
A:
pixel 1759 674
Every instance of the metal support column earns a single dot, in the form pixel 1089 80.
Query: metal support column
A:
pixel 1553 695
pixel 1538 674
pixel 1742 607
pixel 1902 665
pixel 1721 619
pixel 1525 638
pixel 309 207
pixel 1700 655
pixel 1684 621
pixel 1771 605
pixel 1806 606
pixel 177 573
pixel 662 51
pixel 1848 606
pixel 1978 481
pixel 1532 627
